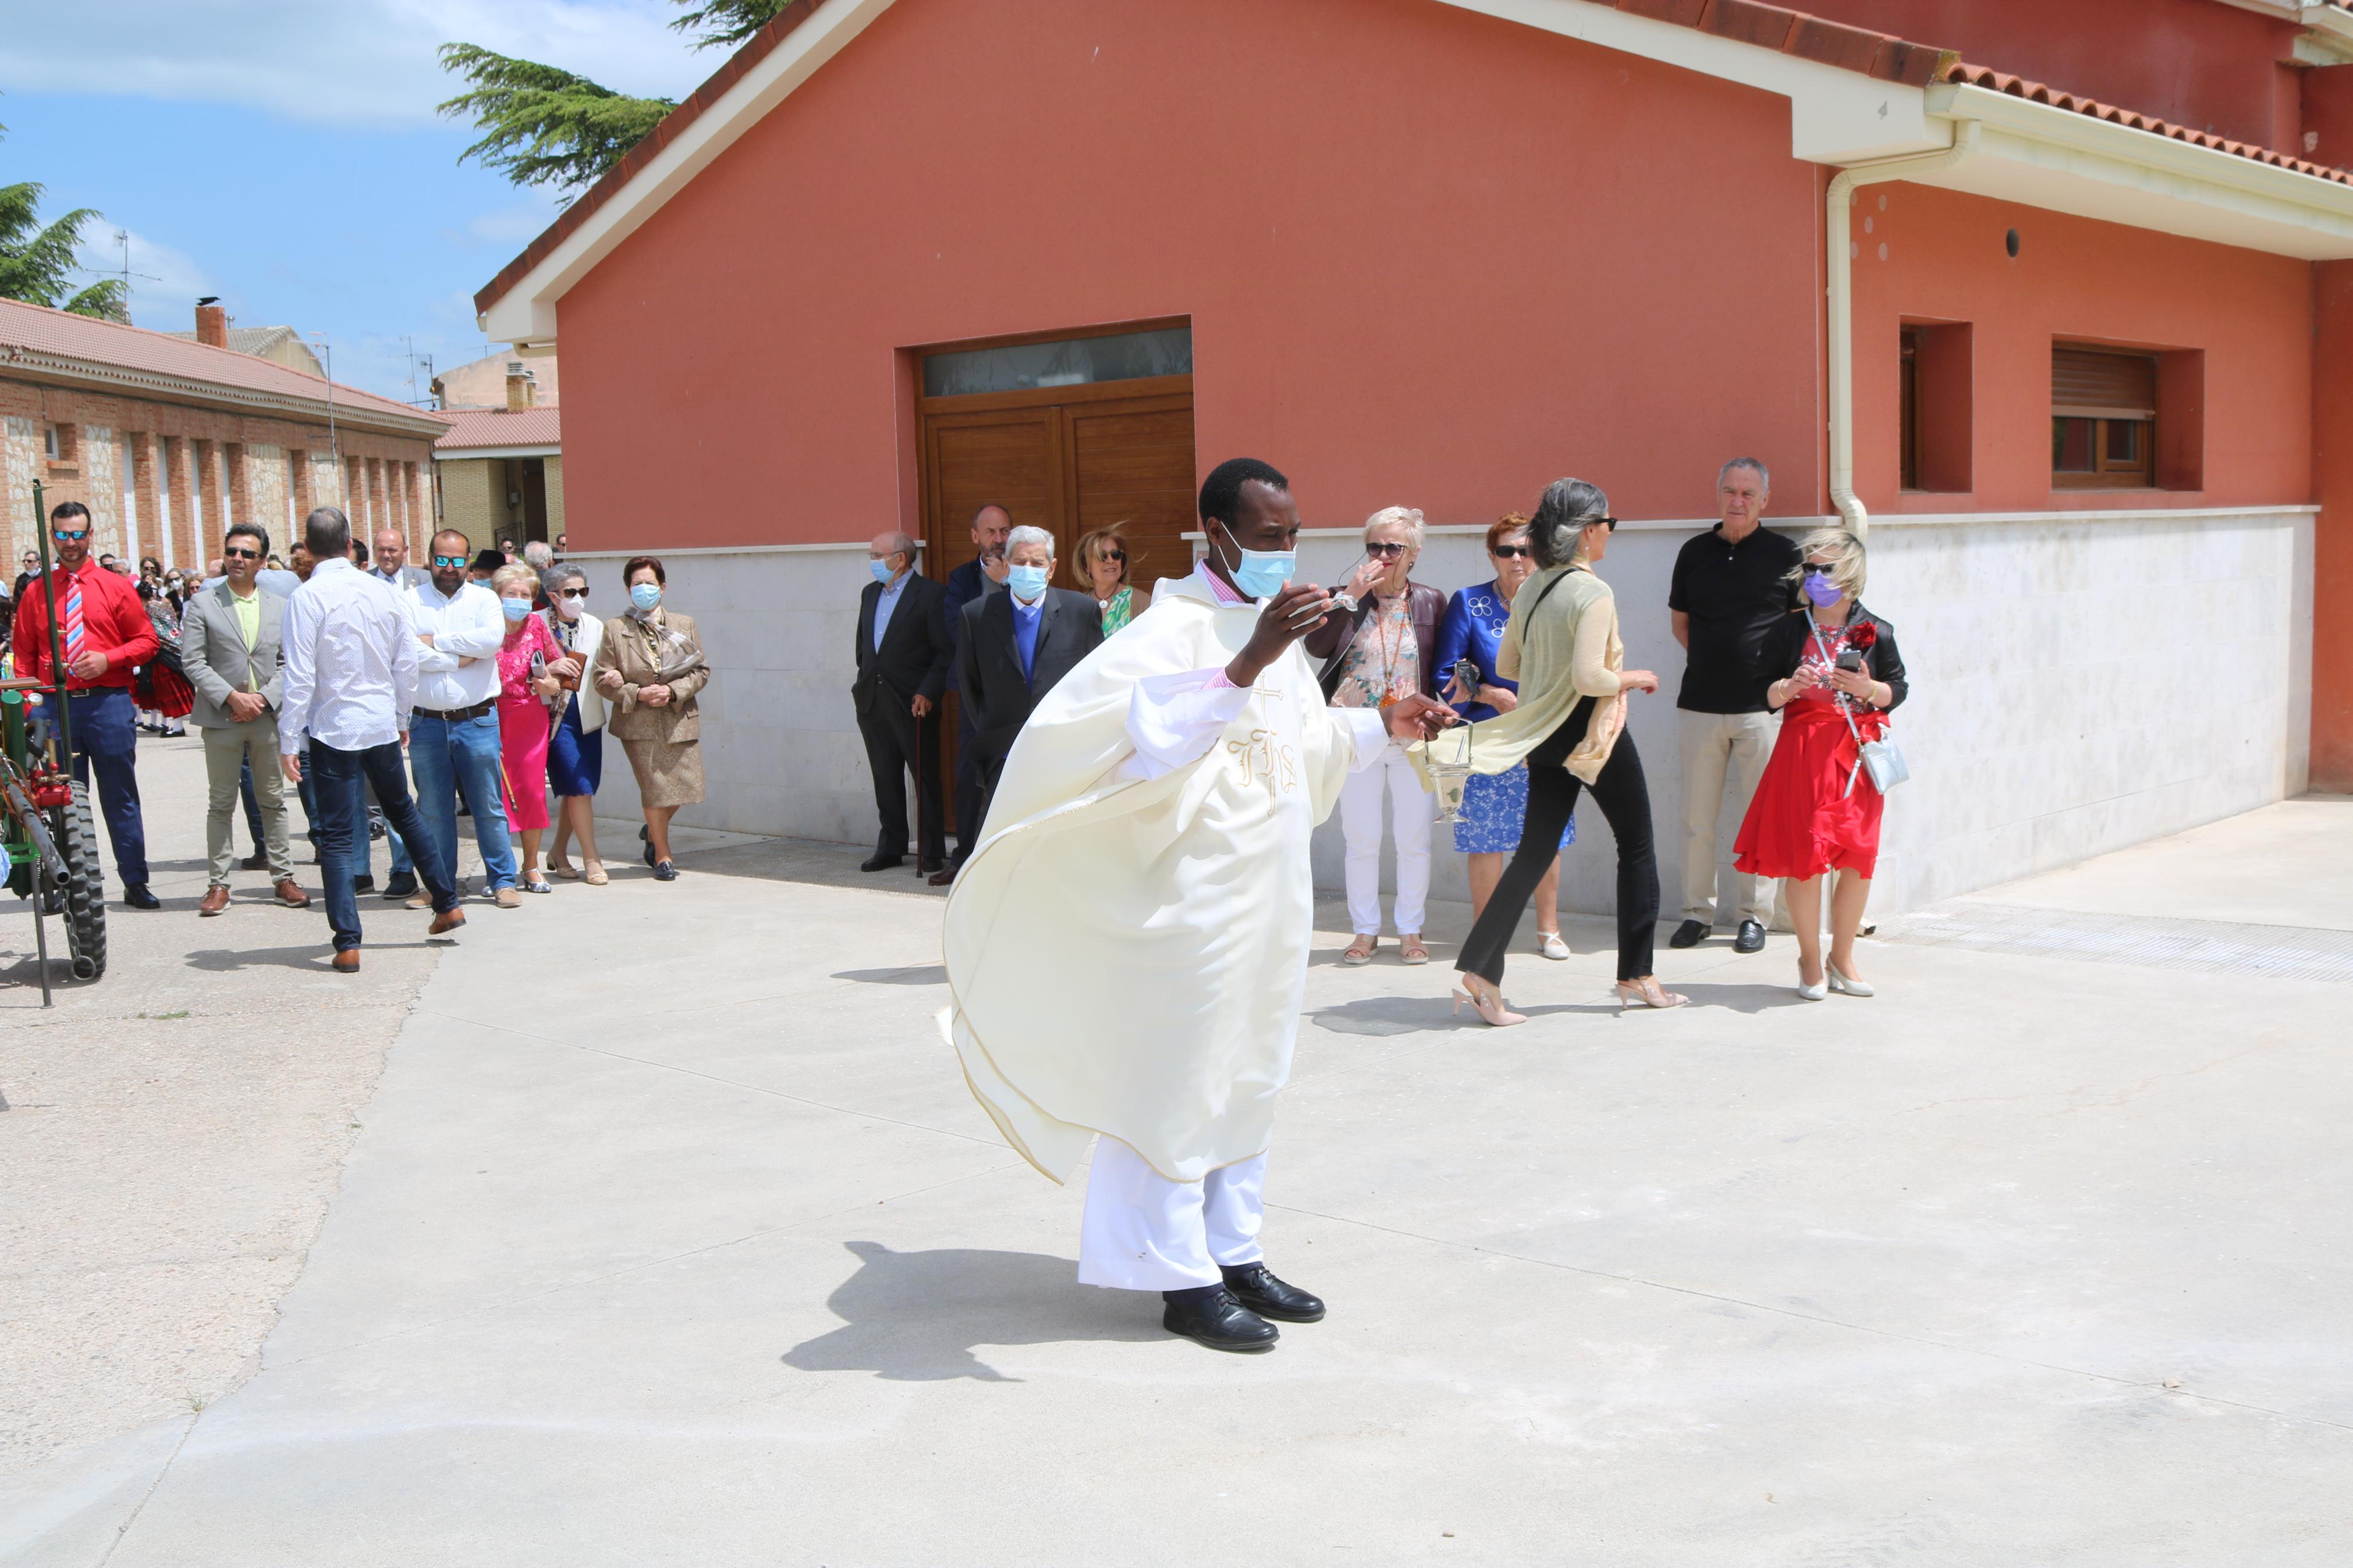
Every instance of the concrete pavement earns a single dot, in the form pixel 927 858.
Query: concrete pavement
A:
pixel 672 1235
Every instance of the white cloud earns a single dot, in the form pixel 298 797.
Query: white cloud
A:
pixel 343 62
pixel 165 283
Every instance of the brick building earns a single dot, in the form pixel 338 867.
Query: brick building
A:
pixel 501 471
pixel 168 441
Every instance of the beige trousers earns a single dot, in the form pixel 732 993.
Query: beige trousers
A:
pixel 1717 749
pixel 227 749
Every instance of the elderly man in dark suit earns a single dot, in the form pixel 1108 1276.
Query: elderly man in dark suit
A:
pixel 1012 649
pixel 974 580
pixel 902 657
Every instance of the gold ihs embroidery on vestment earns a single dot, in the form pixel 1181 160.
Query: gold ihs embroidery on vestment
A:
pixel 1262 756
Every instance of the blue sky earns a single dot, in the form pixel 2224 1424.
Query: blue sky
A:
pixel 284 154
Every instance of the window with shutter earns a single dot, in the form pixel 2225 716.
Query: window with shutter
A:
pixel 2103 417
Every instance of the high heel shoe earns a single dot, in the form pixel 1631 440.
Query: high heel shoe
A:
pixel 1847 983
pixel 1550 945
pixel 1814 991
pixel 1630 994
pixel 1492 1010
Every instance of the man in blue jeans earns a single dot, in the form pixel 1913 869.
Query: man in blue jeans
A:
pixel 350 683
pixel 102 633
pixel 453 737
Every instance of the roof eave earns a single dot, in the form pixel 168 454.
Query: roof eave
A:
pixel 2046 156
pixel 122 378
pixel 459 454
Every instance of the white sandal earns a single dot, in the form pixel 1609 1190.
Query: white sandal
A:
pixel 1361 951
pixel 1551 946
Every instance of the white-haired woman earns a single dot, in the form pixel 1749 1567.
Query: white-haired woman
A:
pixel 1562 646
pixel 1836 676
pixel 1380 644
pixel 576 750
pixel 532 671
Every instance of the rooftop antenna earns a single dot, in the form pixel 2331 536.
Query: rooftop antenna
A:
pixel 327 358
pixel 122 238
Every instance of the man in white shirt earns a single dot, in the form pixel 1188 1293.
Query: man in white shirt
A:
pixel 350 652
pixel 453 742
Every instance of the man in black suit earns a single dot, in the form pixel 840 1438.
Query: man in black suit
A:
pixel 1013 647
pixel 974 580
pixel 902 667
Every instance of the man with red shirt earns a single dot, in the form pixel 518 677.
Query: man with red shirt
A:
pixel 103 633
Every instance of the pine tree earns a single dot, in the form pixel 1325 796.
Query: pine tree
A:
pixel 545 126
pixel 37 260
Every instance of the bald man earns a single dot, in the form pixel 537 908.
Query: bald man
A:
pixel 391 564
pixel 902 657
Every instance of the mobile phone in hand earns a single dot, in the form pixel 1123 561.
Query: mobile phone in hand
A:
pixel 1850 659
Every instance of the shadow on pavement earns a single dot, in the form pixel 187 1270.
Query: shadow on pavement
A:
pixel 928 974
pixel 915 1317
pixel 1739 998
pixel 309 955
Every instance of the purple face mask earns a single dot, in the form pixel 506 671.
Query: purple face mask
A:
pixel 1821 590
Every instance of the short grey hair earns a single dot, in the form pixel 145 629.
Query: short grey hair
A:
pixel 539 555
pixel 1025 534
pixel 552 581
pixel 1568 507
pixel 1403 516
pixel 1764 474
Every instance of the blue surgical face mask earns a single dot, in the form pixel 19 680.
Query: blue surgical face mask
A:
pixel 881 570
pixel 645 596
pixel 1262 572
pixel 516 609
pixel 1027 581
pixel 1821 590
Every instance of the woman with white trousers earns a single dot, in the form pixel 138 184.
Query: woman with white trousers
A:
pixel 1379 645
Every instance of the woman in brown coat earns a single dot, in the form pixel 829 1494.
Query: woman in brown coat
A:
pixel 649 667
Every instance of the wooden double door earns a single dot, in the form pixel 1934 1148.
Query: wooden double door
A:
pixel 1069 460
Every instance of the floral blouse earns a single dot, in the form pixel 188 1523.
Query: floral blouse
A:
pixel 515 660
pixel 1384 661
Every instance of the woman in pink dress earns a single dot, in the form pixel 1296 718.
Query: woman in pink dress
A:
pixel 525 695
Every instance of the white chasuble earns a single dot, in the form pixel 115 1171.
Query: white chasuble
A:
pixel 1127 948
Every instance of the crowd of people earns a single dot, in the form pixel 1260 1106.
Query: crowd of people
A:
pixel 389 696
pixel 1786 678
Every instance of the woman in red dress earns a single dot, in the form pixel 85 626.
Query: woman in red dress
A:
pixel 524 695
pixel 1835 666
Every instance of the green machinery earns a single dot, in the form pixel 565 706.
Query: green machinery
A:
pixel 46 830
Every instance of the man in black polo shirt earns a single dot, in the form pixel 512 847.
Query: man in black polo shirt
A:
pixel 1730 584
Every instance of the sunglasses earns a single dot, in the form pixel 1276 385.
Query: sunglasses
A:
pixel 452 562
pixel 1596 521
pixel 572 593
pixel 242 554
pixel 1509 551
pixel 62 537
pixel 1118 557
pixel 1385 551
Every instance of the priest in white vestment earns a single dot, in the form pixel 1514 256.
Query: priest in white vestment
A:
pixel 1128 948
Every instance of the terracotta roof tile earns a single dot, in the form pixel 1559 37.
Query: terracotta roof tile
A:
pixel 39 329
pixel 1748 22
pixel 474 428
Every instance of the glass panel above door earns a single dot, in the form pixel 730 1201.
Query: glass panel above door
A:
pixel 1073 361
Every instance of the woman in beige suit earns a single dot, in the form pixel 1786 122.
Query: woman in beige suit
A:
pixel 649 667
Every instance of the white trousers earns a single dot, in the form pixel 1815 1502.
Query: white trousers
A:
pixel 1413 809
pixel 1720 749
pixel 1144 1232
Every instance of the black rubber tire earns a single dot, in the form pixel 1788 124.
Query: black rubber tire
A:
pixel 85 911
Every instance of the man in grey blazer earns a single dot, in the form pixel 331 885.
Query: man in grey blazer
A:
pixel 228 648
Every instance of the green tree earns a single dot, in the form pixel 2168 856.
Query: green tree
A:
pixel 36 259
pixel 542 125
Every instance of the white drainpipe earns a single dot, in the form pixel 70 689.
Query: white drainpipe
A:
pixel 1842 304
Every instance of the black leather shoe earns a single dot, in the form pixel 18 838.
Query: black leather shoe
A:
pixel 882 860
pixel 137 896
pixel 364 883
pixel 1209 1315
pixel 1751 938
pixel 1691 933
pixel 926 867
pixel 400 884
pixel 1255 1287
pixel 665 872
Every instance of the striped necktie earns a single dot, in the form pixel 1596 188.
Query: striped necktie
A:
pixel 73 620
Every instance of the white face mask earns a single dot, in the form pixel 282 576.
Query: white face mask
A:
pixel 570 608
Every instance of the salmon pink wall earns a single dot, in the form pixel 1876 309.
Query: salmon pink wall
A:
pixel 1431 257
pixel 2198 63
pixel 2332 590
pixel 2080 279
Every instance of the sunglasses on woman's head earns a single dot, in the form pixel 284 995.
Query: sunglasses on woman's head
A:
pixel 1509 551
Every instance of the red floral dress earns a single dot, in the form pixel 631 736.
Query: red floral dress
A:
pixel 1804 820
pixel 524 727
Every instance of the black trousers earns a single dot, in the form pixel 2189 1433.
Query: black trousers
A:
pixel 971 789
pixel 897 743
pixel 1624 798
